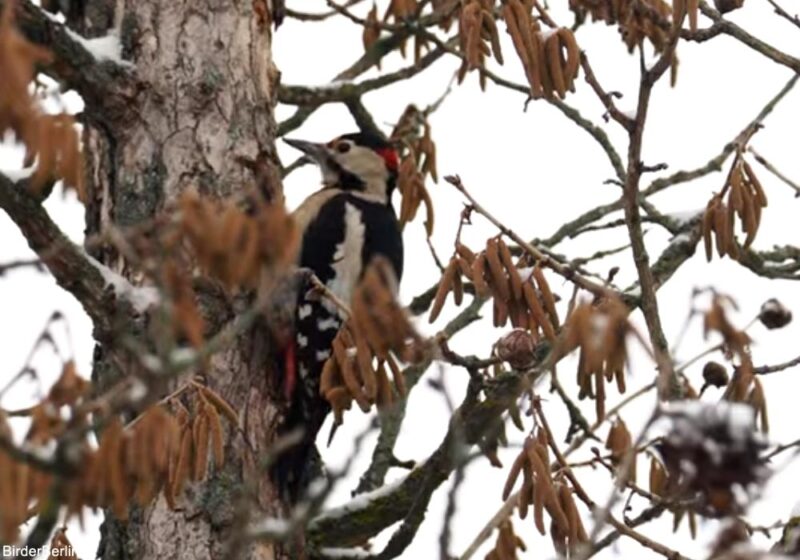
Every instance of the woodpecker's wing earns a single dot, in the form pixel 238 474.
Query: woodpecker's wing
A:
pixel 343 236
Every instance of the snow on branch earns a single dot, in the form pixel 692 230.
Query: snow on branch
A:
pixel 92 67
pixel 72 268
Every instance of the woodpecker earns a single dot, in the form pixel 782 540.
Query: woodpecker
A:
pixel 344 225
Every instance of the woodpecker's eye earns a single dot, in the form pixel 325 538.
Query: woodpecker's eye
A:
pixel 343 147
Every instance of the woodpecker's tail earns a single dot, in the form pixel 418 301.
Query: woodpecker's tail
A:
pixel 316 327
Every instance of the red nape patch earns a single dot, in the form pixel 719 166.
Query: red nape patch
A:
pixel 389 156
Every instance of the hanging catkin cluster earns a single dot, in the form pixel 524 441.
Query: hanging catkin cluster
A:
pixel 550 58
pixel 478 37
pixel 400 12
pixel 364 347
pixel 744 386
pixel 658 484
pixel 25 489
pixel 155 453
pixel 619 443
pixel 232 245
pixel 50 140
pixel 690 8
pixel 413 134
pixel 746 199
pixel 637 19
pixel 507 544
pixel 513 290
pixel 545 494
pixel 599 330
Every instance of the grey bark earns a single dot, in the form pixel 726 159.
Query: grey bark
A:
pixel 204 97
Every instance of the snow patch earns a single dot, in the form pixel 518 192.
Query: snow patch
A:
pixel 103 48
pixel 362 501
pixel 685 216
pixel 141 297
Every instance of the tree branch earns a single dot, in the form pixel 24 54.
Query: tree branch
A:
pixel 72 268
pixel 722 25
pixel 105 86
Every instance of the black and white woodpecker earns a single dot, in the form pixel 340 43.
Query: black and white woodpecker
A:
pixel 343 226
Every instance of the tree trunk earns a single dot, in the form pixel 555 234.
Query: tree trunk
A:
pixel 204 97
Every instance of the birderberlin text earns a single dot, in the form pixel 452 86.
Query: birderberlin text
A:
pixel 11 551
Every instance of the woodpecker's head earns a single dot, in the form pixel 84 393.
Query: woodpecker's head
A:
pixel 359 162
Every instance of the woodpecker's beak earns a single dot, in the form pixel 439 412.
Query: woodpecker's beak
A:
pixel 317 152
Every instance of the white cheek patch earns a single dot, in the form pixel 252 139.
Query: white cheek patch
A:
pixel 370 168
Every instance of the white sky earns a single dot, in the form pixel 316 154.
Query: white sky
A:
pixel 535 170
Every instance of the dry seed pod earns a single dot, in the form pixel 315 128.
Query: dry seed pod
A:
pixel 446 284
pixel 470 24
pixel 507 543
pixel 183 463
pixel 221 405
pixel 201 435
pixel 511 269
pixel 774 315
pixel 500 312
pixel 567 542
pixel 465 253
pixel 715 374
pixel 619 443
pixel 479 276
pixel 499 284
pixel 547 295
pixel 658 478
pixel 552 46
pixel 216 432
pixel 371 30
pixel 517 348
pixel 340 353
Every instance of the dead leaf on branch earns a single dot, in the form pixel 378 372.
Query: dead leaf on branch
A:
pixel 746 199
pixel 365 347
pixel 401 12
pixel 541 492
pixel 477 33
pixel 521 294
pixel 507 543
pixel 551 58
pixel 234 245
pixel 131 463
pixel 599 330
pixel 619 443
pixel 413 134
pixel 638 20
pixel 51 141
